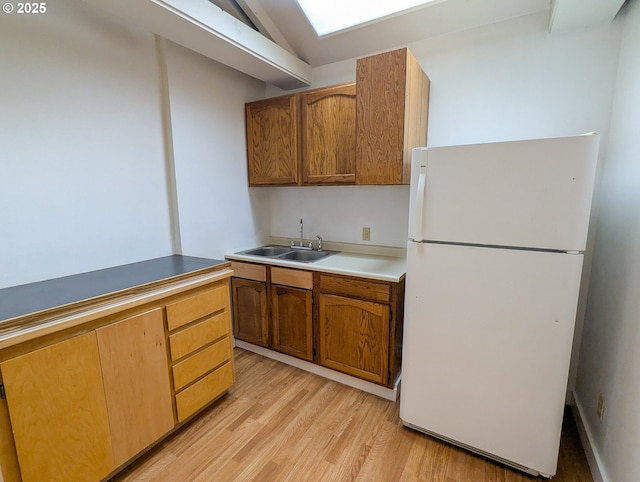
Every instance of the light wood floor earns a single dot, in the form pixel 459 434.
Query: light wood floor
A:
pixel 279 423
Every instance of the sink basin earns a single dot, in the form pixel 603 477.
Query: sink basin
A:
pixel 267 251
pixel 287 253
pixel 306 256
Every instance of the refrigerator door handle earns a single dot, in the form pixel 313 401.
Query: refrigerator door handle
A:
pixel 419 212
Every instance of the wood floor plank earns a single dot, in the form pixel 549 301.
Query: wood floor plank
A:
pixel 427 460
pixel 278 423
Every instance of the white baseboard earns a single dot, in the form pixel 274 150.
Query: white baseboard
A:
pixel 586 437
pixel 378 390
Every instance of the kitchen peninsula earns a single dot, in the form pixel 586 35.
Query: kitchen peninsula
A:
pixel 98 367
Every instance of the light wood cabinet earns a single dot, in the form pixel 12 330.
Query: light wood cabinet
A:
pixel 200 348
pixel 58 411
pixel 272 141
pixel 191 368
pixel 203 391
pixel 392 102
pixel 82 402
pixel 328 120
pixel 133 356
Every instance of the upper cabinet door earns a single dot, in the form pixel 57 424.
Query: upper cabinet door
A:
pixel 328 135
pixel 272 141
pixel 392 105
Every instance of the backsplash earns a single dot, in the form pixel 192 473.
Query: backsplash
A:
pixel 338 213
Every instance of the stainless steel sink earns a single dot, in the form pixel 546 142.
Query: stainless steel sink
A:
pixel 289 254
pixel 271 251
pixel 306 256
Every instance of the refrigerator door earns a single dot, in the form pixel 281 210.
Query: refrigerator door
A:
pixel 532 194
pixel 487 344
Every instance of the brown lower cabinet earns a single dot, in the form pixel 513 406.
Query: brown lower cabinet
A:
pixel 250 311
pixel 292 318
pixel 272 307
pixel 349 324
pixel 83 402
pixel 354 337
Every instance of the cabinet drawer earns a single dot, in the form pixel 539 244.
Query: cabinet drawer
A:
pixel 200 363
pixel 255 272
pixel 366 290
pixel 292 277
pixel 193 398
pixel 190 339
pixel 194 307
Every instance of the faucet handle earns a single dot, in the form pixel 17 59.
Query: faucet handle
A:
pixel 319 242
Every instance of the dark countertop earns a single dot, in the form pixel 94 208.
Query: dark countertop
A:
pixel 30 298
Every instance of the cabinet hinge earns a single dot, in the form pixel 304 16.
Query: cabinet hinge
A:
pixel 3 395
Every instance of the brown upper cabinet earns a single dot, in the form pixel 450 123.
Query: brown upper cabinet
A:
pixel 272 141
pixel 303 138
pixel 352 133
pixel 392 103
pixel 328 135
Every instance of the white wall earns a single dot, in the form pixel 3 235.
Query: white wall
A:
pixel 514 80
pixel 218 212
pixel 82 181
pixel 610 358
pixel 83 173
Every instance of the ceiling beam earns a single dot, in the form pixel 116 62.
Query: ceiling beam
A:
pixel 232 8
pixel 256 13
pixel 205 28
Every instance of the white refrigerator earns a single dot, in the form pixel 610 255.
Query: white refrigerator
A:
pixel 497 234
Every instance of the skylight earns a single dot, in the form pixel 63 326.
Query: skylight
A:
pixel 330 16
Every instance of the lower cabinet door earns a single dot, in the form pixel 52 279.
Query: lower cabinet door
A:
pixel 136 381
pixel 250 321
pixel 58 411
pixel 292 321
pixel 354 337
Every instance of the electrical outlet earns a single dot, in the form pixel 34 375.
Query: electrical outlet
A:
pixel 366 234
pixel 600 410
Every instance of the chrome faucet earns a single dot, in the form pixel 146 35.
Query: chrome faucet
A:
pixel 301 246
pixel 319 242
pixel 301 233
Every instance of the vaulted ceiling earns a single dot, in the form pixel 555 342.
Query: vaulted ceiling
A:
pixel 272 40
pixel 437 18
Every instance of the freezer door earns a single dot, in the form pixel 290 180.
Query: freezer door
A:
pixel 487 345
pixel 533 193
